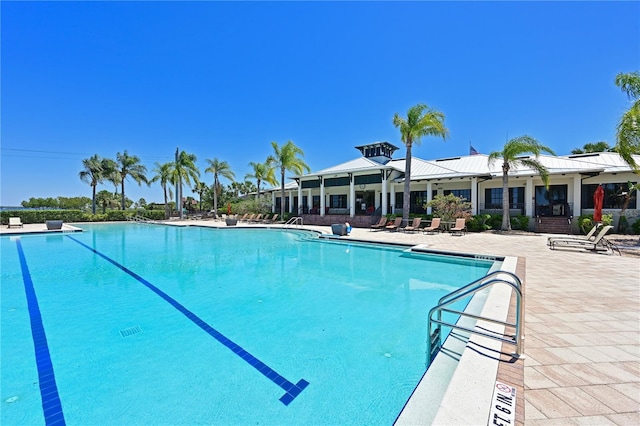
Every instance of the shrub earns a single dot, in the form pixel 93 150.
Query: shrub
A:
pixel 520 222
pixel 636 226
pixel 449 207
pixel 585 222
pixel 478 223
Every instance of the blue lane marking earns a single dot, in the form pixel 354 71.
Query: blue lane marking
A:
pixel 51 406
pixel 291 390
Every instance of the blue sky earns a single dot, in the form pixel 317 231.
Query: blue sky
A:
pixel 224 79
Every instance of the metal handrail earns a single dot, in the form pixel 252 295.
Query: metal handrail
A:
pixel 293 221
pixel 434 335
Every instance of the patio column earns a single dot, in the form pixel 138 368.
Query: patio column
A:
pixel 290 201
pixel 352 196
pixel 528 197
pixel 393 198
pixel 430 196
pixel 474 196
pixel 577 197
pixel 385 201
pixel 322 197
pixel 300 206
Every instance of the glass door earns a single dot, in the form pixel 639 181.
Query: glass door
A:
pixel 552 202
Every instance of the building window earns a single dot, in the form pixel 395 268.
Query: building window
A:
pixel 614 195
pixel 417 201
pixel 493 198
pixel 338 202
pixel 463 193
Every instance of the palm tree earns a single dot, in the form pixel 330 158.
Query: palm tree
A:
pixel 111 173
pixel 200 188
pixel 285 158
pixel 421 121
pixel 601 146
pixel 261 172
pixel 163 174
pixel 512 158
pixel 218 168
pixel 93 175
pixel 628 130
pixel 106 199
pixel 129 165
pixel 183 169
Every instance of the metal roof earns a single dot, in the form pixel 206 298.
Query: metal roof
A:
pixel 478 165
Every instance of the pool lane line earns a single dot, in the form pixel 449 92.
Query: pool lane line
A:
pixel 51 405
pixel 291 390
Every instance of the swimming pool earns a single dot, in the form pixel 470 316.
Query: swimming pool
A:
pixel 153 324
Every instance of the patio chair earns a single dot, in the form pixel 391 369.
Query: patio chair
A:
pixel 414 225
pixel 394 226
pixel 599 243
pixel 14 221
pixel 460 227
pixel 257 219
pixel 272 220
pixel 243 218
pixel 434 227
pixel 589 237
pixel 381 224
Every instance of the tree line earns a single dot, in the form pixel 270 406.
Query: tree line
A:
pixel 175 175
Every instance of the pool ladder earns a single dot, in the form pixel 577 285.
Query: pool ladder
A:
pixel 434 325
pixel 296 220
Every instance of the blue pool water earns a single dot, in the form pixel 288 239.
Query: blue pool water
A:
pixel 143 324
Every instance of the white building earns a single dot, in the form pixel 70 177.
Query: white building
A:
pixel 361 190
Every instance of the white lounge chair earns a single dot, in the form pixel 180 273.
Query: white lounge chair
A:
pixel 588 237
pixel 14 221
pixel 599 243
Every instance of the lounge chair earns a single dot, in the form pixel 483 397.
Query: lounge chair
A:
pixel 589 237
pixel 273 219
pixel 460 227
pixel 414 225
pixel 434 227
pixel 381 223
pixel 599 243
pixel 243 218
pixel 394 226
pixel 249 218
pixel 257 219
pixel 14 221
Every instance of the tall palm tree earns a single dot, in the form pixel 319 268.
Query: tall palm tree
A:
pixel 628 129
pixel 163 174
pixel 421 121
pixel 130 166
pixel 200 188
pixel 218 169
pixel 111 173
pixel 92 174
pixel 512 158
pixel 285 158
pixel 261 173
pixel 184 169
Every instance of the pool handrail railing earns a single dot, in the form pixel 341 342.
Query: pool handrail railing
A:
pixel 434 335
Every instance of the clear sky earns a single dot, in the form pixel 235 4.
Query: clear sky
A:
pixel 224 79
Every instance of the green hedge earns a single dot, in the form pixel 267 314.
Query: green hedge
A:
pixel 67 216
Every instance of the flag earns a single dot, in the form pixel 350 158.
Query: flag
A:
pixel 472 151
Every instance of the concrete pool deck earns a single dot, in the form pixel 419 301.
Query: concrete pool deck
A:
pixel 582 323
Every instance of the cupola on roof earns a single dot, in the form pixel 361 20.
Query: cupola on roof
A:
pixel 380 152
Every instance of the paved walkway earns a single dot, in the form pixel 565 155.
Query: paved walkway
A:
pixel 582 325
